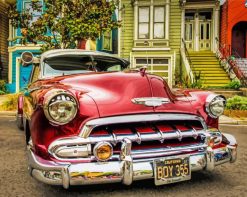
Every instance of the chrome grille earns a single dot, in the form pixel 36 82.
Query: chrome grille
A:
pixel 151 135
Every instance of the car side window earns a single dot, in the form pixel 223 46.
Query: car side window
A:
pixel 114 68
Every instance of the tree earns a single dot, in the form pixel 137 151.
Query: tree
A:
pixel 64 23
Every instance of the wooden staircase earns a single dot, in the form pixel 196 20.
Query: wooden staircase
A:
pixel 211 73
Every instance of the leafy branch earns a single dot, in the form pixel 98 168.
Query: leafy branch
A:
pixel 64 23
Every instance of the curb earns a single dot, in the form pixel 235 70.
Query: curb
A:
pixel 7 113
pixel 236 122
pixel 231 121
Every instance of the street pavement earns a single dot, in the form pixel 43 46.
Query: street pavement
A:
pixel 229 180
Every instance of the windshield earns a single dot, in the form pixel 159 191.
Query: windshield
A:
pixel 67 65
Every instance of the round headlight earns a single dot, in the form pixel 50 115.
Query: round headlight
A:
pixel 60 108
pixel 215 105
pixel 103 151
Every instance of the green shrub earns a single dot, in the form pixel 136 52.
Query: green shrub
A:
pixel 237 103
pixel 3 86
pixel 234 84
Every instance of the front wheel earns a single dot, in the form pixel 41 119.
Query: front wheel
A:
pixel 19 121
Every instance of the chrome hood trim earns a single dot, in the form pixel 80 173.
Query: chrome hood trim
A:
pixel 151 101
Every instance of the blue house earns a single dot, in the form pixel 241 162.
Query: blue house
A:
pixel 18 74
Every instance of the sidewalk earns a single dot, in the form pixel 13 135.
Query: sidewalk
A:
pixel 233 121
pixel 5 113
pixel 2 98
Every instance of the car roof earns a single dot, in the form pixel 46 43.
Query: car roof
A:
pixel 63 52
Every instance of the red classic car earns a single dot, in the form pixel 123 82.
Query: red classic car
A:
pixel 88 119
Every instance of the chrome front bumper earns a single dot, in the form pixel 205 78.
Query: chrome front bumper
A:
pixel 126 170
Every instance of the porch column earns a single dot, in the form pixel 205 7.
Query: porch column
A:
pixel 196 37
pixel 136 20
pixel 216 27
pixel 182 25
pixel 167 19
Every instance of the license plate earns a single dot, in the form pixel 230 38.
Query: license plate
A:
pixel 172 169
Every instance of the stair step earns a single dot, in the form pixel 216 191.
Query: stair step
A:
pixel 214 78
pixel 206 66
pixel 202 55
pixel 216 81
pixel 214 85
pixel 204 59
pixel 212 72
pixel 205 63
pixel 214 75
pixel 208 69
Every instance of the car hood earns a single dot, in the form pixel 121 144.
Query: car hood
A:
pixel 113 92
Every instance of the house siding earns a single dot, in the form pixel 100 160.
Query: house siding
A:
pixel 127 35
pixel 4 29
pixel 127 29
pixel 175 33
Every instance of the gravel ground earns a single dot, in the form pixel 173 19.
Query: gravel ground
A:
pixel 228 180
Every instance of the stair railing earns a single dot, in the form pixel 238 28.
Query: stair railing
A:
pixel 229 63
pixel 187 61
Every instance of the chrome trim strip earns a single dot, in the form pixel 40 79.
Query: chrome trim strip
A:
pixel 90 125
pixel 119 138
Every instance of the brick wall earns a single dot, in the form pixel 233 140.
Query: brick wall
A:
pixel 4 33
pixel 223 23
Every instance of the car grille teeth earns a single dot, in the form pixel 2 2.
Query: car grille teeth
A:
pixel 145 135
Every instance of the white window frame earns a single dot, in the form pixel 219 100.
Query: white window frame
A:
pixel 152 4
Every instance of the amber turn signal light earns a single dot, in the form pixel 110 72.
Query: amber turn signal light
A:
pixel 103 151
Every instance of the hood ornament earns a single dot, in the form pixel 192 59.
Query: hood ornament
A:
pixel 151 101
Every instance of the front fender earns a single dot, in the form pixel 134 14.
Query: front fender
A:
pixel 19 113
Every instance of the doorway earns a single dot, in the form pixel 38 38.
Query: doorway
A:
pixel 239 33
pixel 198 28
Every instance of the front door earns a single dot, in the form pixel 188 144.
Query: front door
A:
pixel 205 35
pixel 189 35
pixel 189 30
pixel 197 30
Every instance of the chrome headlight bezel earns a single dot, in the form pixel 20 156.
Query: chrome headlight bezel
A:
pixel 52 99
pixel 212 99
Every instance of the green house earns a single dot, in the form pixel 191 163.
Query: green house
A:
pixel 168 35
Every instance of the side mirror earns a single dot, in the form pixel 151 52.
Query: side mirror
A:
pixel 28 58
